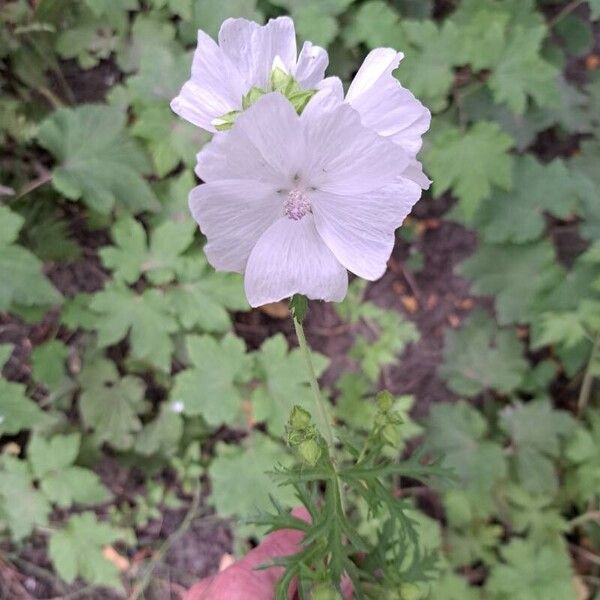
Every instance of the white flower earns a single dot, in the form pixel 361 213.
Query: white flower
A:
pixel 384 105
pixel 293 201
pixel 245 57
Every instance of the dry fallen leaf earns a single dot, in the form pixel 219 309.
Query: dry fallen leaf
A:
pixel 410 303
pixel 115 558
pixel 277 310
pixel 226 561
pixel 592 62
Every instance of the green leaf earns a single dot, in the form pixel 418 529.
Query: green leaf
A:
pixel 112 411
pixel 6 351
pixel 522 73
pixel 594 9
pixel 211 387
pixel 375 24
pixel 76 551
pixel 470 163
pixel 22 506
pixel 240 484
pixel 162 435
pixel 458 432
pixel 576 34
pixel 48 363
pixel 202 297
pixel 17 411
pixel 21 272
pixel 132 255
pixel 285 382
pixel 516 275
pixel 62 482
pixel 531 573
pixel 479 356
pixel 518 216
pixel 536 430
pixel 145 317
pixel 583 450
pixel 98 161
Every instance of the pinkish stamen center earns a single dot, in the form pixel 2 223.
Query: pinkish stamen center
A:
pixel 296 205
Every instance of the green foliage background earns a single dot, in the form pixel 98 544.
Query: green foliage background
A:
pixel 144 367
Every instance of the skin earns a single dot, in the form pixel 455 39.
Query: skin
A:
pixel 242 580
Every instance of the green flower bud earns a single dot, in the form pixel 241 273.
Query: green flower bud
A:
pixel 325 592
pixel 310 451
pixel 299 418
pixel 385 401
pixel 410 591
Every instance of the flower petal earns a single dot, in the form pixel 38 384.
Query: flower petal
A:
pixel 290 258
pixel 345 157
pixel 414 172
pixel 310 69
pixel 329 95
pixel 215 88
pixel 233 215
pixel 265 144
pixel 384 105
pixel 253 47
pixel 359 230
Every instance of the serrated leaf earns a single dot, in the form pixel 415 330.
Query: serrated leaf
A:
pixel 17 411
pixel 211 386
pixel 522 73
pixel 76 551
pixel 98 161
pixel 48 363
pixel 518 216
pixel 516 275
pixel 285 383
pixel 375 24
pixel 239 477
pixel 479 356
pixel 22 507
pixel 470 163
pixel 162 435
pixel 112 411
pixel 145 318
pixel 531 573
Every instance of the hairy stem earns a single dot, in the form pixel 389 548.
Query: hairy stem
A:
pixel 314 384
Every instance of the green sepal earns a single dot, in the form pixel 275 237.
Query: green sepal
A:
pixel 299 307
pixel 226 122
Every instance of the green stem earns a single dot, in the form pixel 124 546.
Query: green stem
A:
pixel 567 10
pixel 588 378
pixel 314 384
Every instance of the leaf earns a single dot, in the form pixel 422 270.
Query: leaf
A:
pixel 240 484
pixel 211 386
pixel 48 363
pixel 458 432
pixel 132 255
pixel 22 507
pixel 52 462
pixel 531 573
pixel 98 161
pixel 479 357
pixel 17 412
pixel 470 163
pixel 21 272
pixel 112 410
pixel 594 9
pixel 582 451
pixel 375 24
pixel 162 435
pixel 77 551
pixel 427 68
pixel 285 382
pixel 516 275
pixel 202 297
pixel 521 72
pixel 6 351
pixel 518 216
pixel 145 317
pixel 536 430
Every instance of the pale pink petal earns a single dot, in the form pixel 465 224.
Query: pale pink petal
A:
pixel 344 156
pixel 253 47
pixel 291 258
pixel 384 105
pixel 265 144
pixel 233 214
pixel 359 230
pixel 329 95
pixel 215 88
pixel 414 172
pixel 310 69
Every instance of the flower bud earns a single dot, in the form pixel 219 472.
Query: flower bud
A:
pixel 310 451
pixel 299 418
pixel 325 592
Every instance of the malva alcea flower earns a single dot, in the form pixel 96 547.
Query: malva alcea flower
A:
pixel 294 201
pixel 228 75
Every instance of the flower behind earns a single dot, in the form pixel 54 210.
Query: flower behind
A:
pixel 293 201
